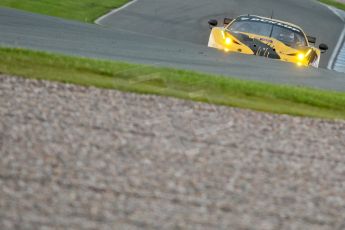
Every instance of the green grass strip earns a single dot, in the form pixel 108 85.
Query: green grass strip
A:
pixel 175 83
pixel 334 3
pixel 81 10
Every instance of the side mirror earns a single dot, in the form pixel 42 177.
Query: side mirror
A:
pixel 311 39
pixel 323 47
pixel 212 22
pixel 227 21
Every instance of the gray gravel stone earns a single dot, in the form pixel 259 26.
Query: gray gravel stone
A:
pixel 83 158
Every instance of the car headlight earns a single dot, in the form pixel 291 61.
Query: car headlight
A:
pixel 301 57
pixel 228 41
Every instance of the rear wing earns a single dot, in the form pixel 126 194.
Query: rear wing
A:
pixel 227 21
pixel 311 39
pixel 214 22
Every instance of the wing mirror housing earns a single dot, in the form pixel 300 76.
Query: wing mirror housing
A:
pixel 212 23
pixel 323 47
pixel 227 21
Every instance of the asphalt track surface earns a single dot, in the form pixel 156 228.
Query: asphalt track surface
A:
pixel 187 20
pixel 153 46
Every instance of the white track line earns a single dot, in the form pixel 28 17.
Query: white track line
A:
pixel 98 20
pixel 341 38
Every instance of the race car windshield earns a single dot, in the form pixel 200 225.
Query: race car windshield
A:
pixel 290 36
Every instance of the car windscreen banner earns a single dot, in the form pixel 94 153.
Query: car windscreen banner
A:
pixel 267 21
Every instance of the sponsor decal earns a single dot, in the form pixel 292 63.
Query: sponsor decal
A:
pixel 265 40
pixel 254 19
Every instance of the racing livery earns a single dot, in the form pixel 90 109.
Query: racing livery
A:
pixel 261 36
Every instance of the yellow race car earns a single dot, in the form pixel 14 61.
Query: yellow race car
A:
pixel 261 36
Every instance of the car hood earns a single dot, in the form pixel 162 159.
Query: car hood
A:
pixel 265 46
